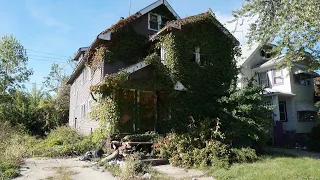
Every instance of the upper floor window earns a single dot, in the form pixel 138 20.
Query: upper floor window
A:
pixel 197 54
pixel 302 79
pixel 154 21
pixel 277 77
pixel 263 79
pixel 163 53
pixel 307 116
pixel 83 111
pixel 84 75
pixel 265 54
pixel 283 111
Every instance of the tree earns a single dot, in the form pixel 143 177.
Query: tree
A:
pixel 13 61
pixel 292 24
pixel 58 107
pixel 56 78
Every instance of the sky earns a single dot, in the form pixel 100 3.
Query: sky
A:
pixel 53 30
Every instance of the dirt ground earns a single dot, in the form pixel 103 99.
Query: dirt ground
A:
pixel 41 169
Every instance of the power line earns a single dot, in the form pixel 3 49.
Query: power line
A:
pixel 46 60
pixel 47 53
pixel 46 57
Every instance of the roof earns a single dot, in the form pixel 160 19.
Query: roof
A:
pixel 248 51
pixel 271 92
pixel 177 24
pixel 122 23
pixel 271 62
pixel 80 50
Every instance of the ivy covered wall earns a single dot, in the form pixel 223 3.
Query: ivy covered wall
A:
pixel 206 82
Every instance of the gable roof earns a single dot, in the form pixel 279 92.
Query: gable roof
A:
pixel 248 52
pixel 180 22
pixel 122 23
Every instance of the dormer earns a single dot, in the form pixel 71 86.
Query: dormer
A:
pixel 80 53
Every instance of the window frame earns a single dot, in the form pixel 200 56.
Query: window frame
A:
pixel 83 111
pixel 305 80
pixel 281 76
pixel 285 111
pixel 300 120
pixel 159 20
pixel 267 78
pixel 163 54
pixel 197 54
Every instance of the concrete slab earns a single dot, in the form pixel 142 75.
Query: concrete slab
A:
pixel 180 173
pixel 36 169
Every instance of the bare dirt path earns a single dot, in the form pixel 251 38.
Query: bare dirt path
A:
pixel 36 169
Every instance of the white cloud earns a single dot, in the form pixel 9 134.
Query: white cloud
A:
pixel 43 14
pixel 239 30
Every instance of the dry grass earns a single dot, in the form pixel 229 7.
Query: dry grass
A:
pixel 62 173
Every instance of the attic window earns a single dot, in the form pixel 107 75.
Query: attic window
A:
pixel 154 21
pixel 265 54
pixel 197 54
pixel 163 54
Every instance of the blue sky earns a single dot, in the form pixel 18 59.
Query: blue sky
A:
pixel 53 30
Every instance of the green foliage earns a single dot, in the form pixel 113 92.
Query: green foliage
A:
pixel 14 143
pixel 61 142
pixel 206 82
pixel 125 40
pixel 141 137
pixel 201 146
pixel 13 61
pixel 313 140
pixel 134 167
pixel 245 118
pixel 243 155
pixel 107 112
pixel 292 25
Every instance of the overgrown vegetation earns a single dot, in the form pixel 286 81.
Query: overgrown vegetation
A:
pixel 14 143
pixel 65 142
pixel 313 139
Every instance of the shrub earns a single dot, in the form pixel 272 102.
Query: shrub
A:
pixel 203 145
pixel 141 137
pixel 243 155
pixel 134 167
pixel 13 146
pixel 313 142
pixel 62 141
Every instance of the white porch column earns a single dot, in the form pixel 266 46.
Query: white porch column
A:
pixel 276 112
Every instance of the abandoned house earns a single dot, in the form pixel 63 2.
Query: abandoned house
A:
pixel 155 66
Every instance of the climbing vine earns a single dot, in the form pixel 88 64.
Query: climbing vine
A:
pixel 125 45
pixel 205 82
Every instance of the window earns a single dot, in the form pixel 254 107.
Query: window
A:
pixel 197 54
pixel 89 73
pixel 83 111
pixel 277 77
pixel 307 116
pixel 85 75
pixel 74 87
pixel 90 105
pixel 154 22
pixel 302 79
pixel 163 54
pixel 283 111
pixel 263 79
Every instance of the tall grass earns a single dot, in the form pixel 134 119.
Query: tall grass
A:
pixel 14 142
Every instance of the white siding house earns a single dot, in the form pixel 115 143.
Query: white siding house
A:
pixel 290 90
pixel 80 97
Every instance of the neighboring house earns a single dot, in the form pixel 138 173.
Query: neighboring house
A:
pixel 290 90
pixel 151 22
